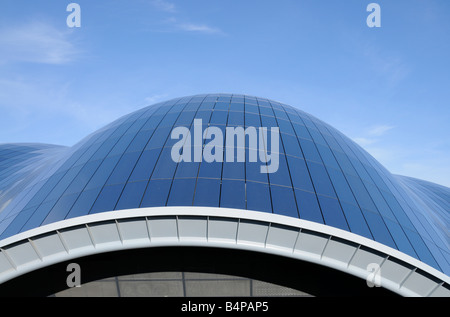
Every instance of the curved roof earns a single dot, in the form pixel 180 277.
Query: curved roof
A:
pixel 323 177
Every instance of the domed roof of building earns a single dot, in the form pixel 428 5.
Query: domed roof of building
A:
pixel 321 175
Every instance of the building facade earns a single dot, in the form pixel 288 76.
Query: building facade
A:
pixel 300 195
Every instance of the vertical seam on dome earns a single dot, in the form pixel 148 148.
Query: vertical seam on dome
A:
pixel 203 144
pixel 63 242
pixel 118 230
pixel 267 234
pixel 10 260
pixel 353 255
pixel 400 285
pixel 265 153
pixel 35 248
pixel 306 165
pixel 237 231
pixel 296 240
pixel 177 226
pixel 148 228
pixel 90 235
pixel 285 157
pixel 180 159
pixel 434 289
pixel 325 247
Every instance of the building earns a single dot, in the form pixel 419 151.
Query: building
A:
pixel 327 220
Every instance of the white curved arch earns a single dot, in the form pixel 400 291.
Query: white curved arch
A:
pixel 219 227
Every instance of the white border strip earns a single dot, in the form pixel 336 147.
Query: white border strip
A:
pixel 332 247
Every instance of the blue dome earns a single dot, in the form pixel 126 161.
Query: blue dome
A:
pixel 322 176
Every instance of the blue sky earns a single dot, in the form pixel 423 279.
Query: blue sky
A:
pixel 387 88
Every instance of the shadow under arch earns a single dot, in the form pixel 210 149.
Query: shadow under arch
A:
pixel 313 279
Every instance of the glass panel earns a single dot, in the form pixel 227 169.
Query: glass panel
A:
pixel 253 169
pixel 283 201
pixel 39 215
pixel 281 176
pixel 123 169
pixel 169 119
pixel 310 151
pixel 83 177
pixel 355 220
pixel 233 170
pixel 107 199
pixel 232 194
pixel 251 108
pixel 61 209
pixel 379 201
pixel 156 193
pixel 258 197
pixel 159 137
pixel 207 105
pixel 299 173
pixel 59 189
pixel 378 228
pixel 266 111
pixel 286 127
pixel 15 226
pixel 222 105
pixel 301 131
pixel 280 114
pixel 345 163
pixel 44 190
pixel 317 137
pixel 84 203
pixel 343 191
pixel 308 206
pixel 182 192
pixel 103 172
pixel 268 122
pixel 219 118
pixel 320 179
pixel 291 145
pixel 185 118
pixel 165 168
pixel 327 156
pixel 104 149
pixel 235 118
pixel 252 120
pixel 237 106
pixel 145 165
pixel 207 192
pixel 122 144
pixel 332 212
pixel 421 248
pixel 205 116
pixel 400 238
pixel 210 170
pixel 294 117
pixel 360 192
pixel 131 196
pixel 187 170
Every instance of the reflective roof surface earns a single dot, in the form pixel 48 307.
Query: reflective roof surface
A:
pixel 322 176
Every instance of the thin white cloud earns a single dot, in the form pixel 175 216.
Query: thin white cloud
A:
pixel 174 24
pixel 372 141
pixel 389 65
pixel 364 141
pixel 154 98
pixel 50 108
pixel 36 42
pixel 379 130
pixel 200 28
pixel 164 5
pixel 373 134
